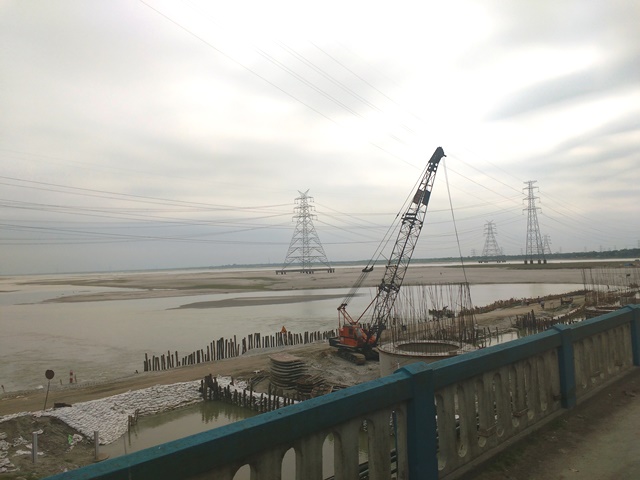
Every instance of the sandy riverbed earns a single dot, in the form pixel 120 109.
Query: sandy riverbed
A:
pixel 318 357
pixel 185 283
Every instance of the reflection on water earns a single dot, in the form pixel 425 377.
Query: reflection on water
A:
pixel 165 427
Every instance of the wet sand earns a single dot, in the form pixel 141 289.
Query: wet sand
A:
pixel 184 283
pixel 242 367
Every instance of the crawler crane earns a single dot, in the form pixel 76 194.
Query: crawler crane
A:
pixel 357 341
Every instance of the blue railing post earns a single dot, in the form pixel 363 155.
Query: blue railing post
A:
pixel 566 366
pixel 635 333
pixel 422 436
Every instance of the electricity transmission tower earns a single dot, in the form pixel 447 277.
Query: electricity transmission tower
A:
pixel 546 248
pixel 305 250
pixel 491 250
pixel 534 240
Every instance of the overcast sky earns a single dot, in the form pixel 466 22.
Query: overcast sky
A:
pixel 163 134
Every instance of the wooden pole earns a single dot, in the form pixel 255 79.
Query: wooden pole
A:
pixel 34 447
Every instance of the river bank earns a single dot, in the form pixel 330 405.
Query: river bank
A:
pixel 137 285
pixel 106 407
pixel 114 287
pixel 320 357
pixel 101 326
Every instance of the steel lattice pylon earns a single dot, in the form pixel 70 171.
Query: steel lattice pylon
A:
pixel 546 245
pixel 305 250
pixel 491 250
pixel 534 239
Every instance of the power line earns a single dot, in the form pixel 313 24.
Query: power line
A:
pixel 90 192
pixel 230 58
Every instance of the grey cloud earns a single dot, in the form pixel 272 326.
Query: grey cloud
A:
pixel 97 96
pixel 570 22
pixel 317 75
pixel 596 81
pixel 598 159
pixel 621 125
pixel 520 24
pixel 607 181
pixel 520 27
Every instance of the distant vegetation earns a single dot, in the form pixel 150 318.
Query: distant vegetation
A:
pixel 627 253
pixel 632 253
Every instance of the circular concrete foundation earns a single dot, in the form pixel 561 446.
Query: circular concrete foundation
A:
pixel 395 356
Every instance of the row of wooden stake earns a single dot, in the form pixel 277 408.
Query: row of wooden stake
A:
pixel 529 324
pixel 212 390
pixel 228 348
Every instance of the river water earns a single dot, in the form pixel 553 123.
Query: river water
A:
pixel 102 340
pixel 153 430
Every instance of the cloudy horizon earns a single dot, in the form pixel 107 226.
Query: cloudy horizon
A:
pixel 159 134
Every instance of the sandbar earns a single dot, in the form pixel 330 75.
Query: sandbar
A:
pixel 128 286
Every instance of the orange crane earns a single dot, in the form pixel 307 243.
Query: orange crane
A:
pixel 356 341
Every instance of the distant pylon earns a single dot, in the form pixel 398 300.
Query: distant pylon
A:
pixel 491 250
pixel 546 247
pixel 534 240
pixel 305 250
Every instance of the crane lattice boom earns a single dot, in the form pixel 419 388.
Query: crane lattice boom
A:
pixel 410 228
pixel 352 337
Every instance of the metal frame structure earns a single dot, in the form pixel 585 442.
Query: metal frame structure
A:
pixel 410 228
pixel 305 249
pixel 356 340
pixel 534 240
pixel 546 240
pixel 491 250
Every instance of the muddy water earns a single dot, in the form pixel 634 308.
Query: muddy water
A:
pixel 108 339
pixel 103 340
pixel 157 429
pixel 153 430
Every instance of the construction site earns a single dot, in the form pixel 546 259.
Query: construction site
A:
pixel 429 322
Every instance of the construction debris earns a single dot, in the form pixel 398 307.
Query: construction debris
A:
pixel 286 370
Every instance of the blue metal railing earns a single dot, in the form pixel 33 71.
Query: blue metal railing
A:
pixel 489 396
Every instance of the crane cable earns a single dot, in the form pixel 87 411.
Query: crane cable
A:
pixel 393 228
pixel 455 228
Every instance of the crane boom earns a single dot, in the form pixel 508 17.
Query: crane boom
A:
pixel 353 341
pixel 410 228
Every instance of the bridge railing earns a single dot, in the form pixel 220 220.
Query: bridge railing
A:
pixel 441 419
